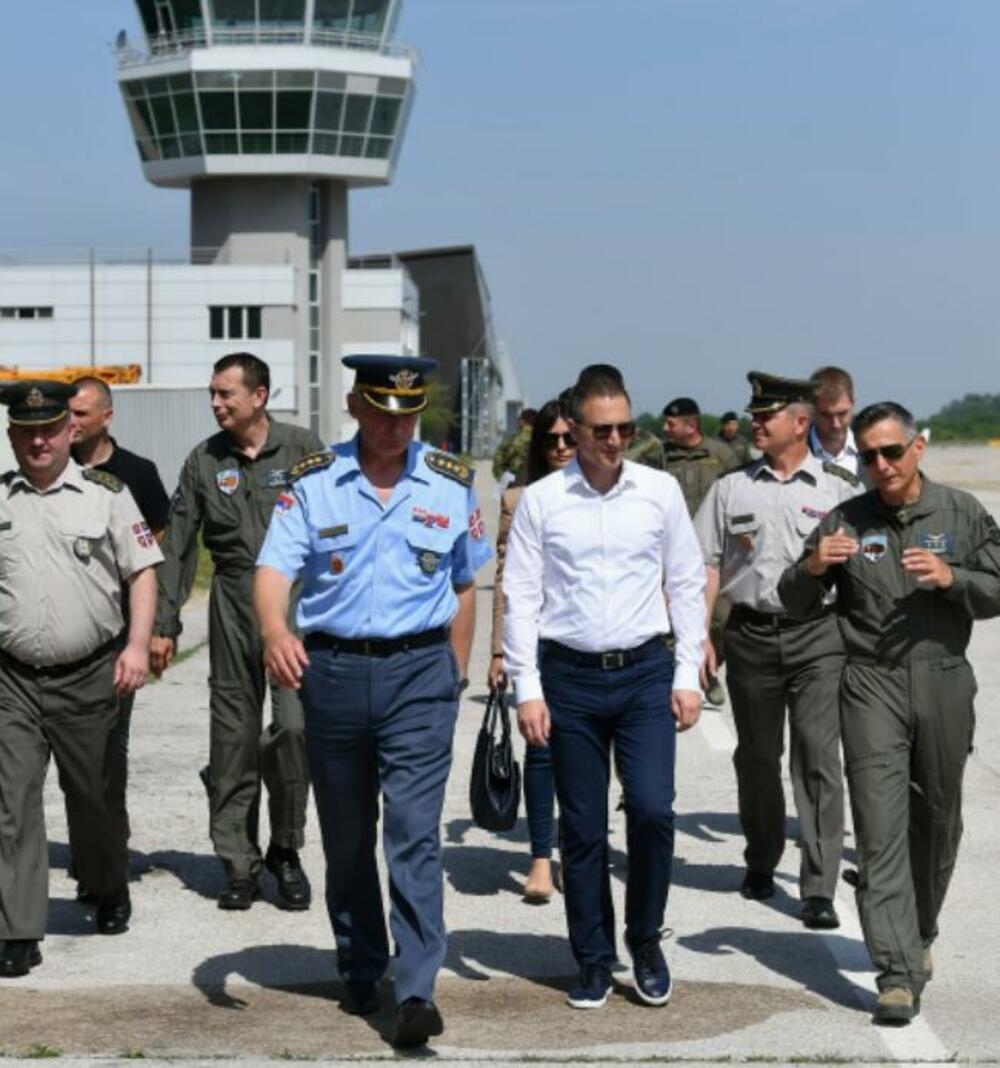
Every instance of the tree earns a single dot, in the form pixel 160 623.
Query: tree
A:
pixel 438 418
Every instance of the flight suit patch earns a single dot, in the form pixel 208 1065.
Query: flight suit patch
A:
pixel 276 478
pixel 938 544
pixel 228 481
pixel 873 547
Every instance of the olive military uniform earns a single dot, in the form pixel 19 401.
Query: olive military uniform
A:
pixel 696 467
pixel 739 447
pixel 644 447
pixel 906 703
pixel 63 555
pixel 751 527
pixel 231 498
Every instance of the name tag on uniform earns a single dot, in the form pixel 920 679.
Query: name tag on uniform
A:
pixel 748 518
pixel 939 544
pixel 333 532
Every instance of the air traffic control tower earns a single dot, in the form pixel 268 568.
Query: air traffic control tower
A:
pixel 269 111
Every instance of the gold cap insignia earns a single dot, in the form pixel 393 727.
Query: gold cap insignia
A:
pixel 403 379
pixel 34 399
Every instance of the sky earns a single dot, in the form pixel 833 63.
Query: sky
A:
pixel 689 189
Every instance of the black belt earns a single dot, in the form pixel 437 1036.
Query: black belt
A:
pixel 57 670
pixel 376 646
pixel 742 613
pixel 610 660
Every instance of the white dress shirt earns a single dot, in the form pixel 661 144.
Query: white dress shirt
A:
pixel 846 458
pixel 590 570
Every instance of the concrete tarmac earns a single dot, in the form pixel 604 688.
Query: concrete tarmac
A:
pixel 188 982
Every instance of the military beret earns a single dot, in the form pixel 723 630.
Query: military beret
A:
pixel 728 417
pixel 36 402
pixel 682 406
pixel 393 384
pixel 771 393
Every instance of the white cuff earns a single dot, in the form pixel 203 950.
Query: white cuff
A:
pixel 686 678
pixel 529 687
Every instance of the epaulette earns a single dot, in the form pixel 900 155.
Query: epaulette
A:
pixel 315 461
pixel 104 478
pixel 451 468
pixel 841 472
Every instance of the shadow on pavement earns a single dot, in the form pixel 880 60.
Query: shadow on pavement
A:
pixel 542 959
pixel 799 956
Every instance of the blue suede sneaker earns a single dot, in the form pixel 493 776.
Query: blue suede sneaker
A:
pixel 652 976
pixel 591 992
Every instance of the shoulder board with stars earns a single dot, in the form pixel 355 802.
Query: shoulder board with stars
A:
pixel 104 478
pixel 841 472
pixel 315 461
pixel 448 466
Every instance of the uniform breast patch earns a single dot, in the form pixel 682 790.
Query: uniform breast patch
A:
pixel 276 478
pixel 428 561
pixel 228 480
pixel 814 513
pixel 939 544
pixel 430 519
pixel 873 547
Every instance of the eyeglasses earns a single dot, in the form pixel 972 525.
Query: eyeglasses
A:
pixel 603 431
pixel 552 441
pixel 892 453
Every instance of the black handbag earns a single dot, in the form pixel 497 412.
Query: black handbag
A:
pixel 495 784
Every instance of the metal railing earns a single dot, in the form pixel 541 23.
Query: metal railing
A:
pixel 201 255
pixel 167 46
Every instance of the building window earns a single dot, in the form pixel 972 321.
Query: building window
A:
pixel 234 323
pixel 25 313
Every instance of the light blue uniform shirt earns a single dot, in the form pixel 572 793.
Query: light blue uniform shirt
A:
pixel 370 570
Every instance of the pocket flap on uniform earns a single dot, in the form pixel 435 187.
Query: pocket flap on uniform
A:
pixel 82 528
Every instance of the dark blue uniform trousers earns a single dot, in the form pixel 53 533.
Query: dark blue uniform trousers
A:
pixel 383 723
pixel 591 709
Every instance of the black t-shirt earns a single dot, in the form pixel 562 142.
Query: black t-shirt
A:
pixel 142 478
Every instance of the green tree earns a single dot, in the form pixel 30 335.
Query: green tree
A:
pixel 438 418
pixel 976 417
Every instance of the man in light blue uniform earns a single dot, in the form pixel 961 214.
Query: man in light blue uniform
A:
pixel 386 537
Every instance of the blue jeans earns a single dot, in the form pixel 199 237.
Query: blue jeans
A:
pixel 592 709
pixel 539 799
pixel 383 724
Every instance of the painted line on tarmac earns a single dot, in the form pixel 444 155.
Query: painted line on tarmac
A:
pixel 916 1043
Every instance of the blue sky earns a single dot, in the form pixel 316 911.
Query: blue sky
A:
pixel 688 188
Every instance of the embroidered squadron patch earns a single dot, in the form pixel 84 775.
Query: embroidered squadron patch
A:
pixel 228 480
pixel 428 561
pixel 939 544
pixel 873 547
pixel 143 535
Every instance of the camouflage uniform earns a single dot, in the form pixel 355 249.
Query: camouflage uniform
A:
pixel 512 454
pixel 645 448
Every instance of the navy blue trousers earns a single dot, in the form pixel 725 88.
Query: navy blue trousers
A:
pixel 592 710
pixel 539 799
pixel 383 724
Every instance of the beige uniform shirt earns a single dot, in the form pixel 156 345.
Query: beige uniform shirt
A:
pixel 64 554
pixel 752 524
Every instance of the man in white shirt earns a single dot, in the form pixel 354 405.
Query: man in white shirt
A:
pixel 830 437
pixel 592 551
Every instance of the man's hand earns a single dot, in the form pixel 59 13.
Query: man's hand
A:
pixel 496 677
pixel 285 657
pixel 836 548
pixel 709 665
pixel 161 652
pixel 929 570
pixel 685 707
pixel 533 722
pixel 131 669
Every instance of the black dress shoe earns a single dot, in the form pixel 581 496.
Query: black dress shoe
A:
pixel 819 914
pixel 18 957
pixel 416 1021
pixel 85 896
pixel 293 884
pixel 362 997
pixel 757 885
pixel 113 913
pixel 239 894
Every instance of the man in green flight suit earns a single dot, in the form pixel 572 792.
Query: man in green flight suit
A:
pixel 228 489
pixel 913 563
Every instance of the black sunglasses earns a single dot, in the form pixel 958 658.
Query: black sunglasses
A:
pixel 551 441
pixel 603 431
pixel 892 453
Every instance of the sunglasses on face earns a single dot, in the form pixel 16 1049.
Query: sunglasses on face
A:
pixel 552 441
pixel 603 431
pixel 892 453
